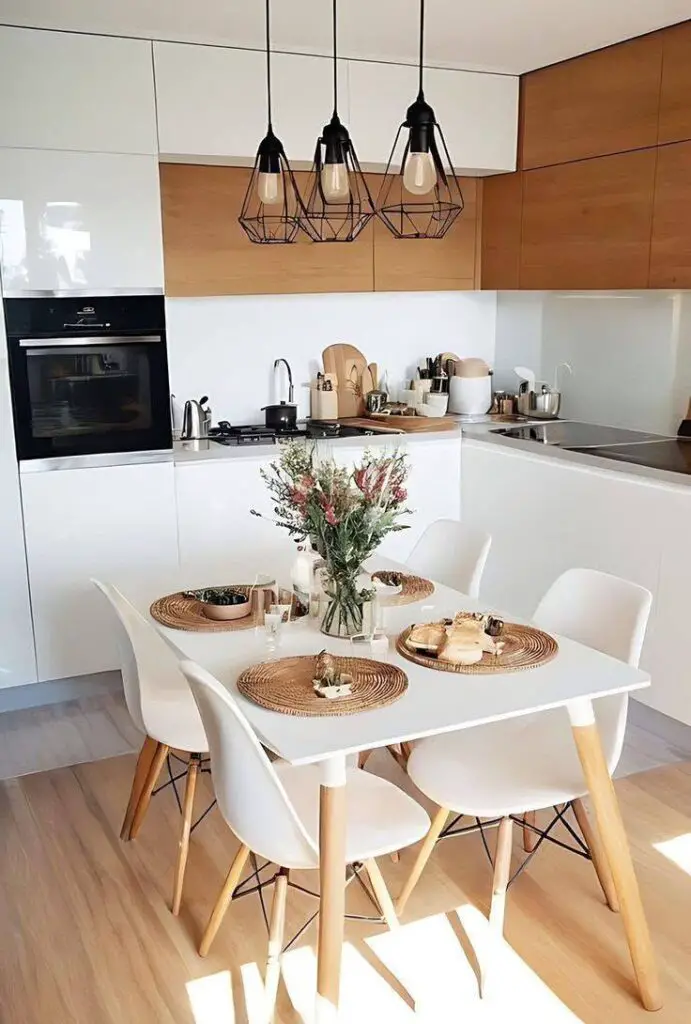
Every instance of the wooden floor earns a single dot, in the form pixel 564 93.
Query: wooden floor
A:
pixel 87 937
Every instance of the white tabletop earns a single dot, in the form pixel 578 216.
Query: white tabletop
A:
pixel 434 702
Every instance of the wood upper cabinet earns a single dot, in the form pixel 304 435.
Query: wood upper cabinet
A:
pixel 502 206
pixel 588 224
pixel 670 257
pixel 432 264
pixel 603 102
pixel 206 252
pixel 675 93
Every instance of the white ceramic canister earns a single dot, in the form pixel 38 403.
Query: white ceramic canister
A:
pixel 470 396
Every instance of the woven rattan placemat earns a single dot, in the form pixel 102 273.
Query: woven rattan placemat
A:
pixel 413 588
pixel 286 686
pixel 180 612
pixel 524 647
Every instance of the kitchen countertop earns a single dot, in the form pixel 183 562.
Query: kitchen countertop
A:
pixel 187 452
pixel 481 433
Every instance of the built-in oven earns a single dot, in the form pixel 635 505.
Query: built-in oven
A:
pixel 88 376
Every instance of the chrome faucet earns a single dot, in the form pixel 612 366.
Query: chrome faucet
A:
pixel 291 390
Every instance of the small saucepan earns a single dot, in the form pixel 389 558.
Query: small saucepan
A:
pixel 282 417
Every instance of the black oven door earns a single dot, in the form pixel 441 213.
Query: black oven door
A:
pixel 89 395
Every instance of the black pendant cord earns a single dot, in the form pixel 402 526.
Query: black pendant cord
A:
pixel 335 52
pixel 268 63
pixel 422 44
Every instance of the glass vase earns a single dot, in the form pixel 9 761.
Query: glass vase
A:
pixel 345 603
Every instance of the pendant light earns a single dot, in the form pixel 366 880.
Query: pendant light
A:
pixel 338 203
pixel 272 207
pixel 420 196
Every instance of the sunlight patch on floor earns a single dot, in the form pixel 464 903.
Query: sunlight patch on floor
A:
pixel 678 850
pixel 211 999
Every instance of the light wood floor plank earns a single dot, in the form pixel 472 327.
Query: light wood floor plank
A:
pixel 88 936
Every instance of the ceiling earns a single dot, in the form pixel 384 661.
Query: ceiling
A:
pixel 510 36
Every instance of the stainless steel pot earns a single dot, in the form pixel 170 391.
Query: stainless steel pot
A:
pixel 543 404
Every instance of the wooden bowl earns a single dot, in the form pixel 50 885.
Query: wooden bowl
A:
pixel 225 612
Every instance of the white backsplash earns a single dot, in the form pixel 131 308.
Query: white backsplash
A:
pixel 630 352
pixel 225 347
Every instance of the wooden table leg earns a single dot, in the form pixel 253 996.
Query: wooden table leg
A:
pixel 616 848
pixel 332 866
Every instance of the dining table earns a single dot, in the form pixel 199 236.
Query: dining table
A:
pixel 434 702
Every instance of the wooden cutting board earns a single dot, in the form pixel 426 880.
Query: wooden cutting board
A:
pixel 409 424
pixel 347 363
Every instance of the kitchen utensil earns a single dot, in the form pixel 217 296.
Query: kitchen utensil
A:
pixel 543 404
pixel 524 373
pixel 507 405
pixel 444 357
pixel 397 423
pixel 470 396
pixel 471 367
pixel 282 417
pixel 195 419
pixel 346 363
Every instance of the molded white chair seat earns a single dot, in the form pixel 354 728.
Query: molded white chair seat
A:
pixel 173 719
pixel 453 554
pixel 380 817
pixel 523 764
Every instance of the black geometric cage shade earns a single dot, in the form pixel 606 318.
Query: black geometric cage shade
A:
pixel 328 220
pixel 273 223
pixel 412 216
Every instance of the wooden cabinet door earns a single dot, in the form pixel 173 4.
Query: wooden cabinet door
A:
pixel 670 257
pixel 206 252
pixel 502 206
pixel 675 105
pixel 588 224
pixel 602 102
pixel 444 264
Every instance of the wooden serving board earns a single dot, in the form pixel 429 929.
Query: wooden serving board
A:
pixel 347 364
pixel 409 424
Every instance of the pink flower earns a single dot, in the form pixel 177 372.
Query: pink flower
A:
pixel 400 494
pixel 330 515
pixel 305 483
pixel 298 497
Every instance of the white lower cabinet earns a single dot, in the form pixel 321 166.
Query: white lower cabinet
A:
pixel 112 523
pixel 547 516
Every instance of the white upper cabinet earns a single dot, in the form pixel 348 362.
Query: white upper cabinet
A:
pixel 478 113
pixel 65 91
pixel 79 221
pixel 212 101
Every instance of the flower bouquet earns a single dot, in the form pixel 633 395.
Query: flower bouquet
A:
pixel 346 513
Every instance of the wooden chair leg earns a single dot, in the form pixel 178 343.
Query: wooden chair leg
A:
pixel 148 788
pixel 276 930
pixel 224 898
pixel 382 893
pixel 193 767
pixel 363 757
pixel 146 755
pixel 529 837
pixel 597 854
pixel 502 869
pixel 422 857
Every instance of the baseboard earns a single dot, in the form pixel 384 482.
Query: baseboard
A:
pixel 14 698
pixel 675 733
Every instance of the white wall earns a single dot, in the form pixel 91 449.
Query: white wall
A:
pixel 225 347
pixel 630 352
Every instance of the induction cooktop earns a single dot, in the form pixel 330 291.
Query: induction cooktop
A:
pixel 673 455
pixel 573 435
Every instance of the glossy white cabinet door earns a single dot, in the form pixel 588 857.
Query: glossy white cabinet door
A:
pixel 79 220
pixel 217 534
pixel 478 113
pixel 17 657
pixel 66 91
pixel 113 523
pixel 211 101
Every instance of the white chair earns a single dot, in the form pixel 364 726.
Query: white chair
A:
pixel 522 765
pixel 274 813
pixel 452 554
pixel 163 708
